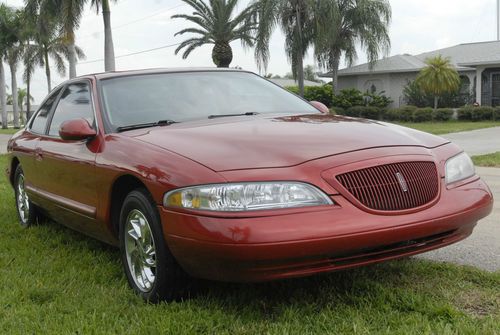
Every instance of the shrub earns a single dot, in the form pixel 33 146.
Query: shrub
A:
pixel 322 94
pixel 476 113
pixel 406 113
pixel 391 114
pixel 482 113
pixel 465 113
pixel 415 96
pixel 496 114
pixel 377 100
pixel 422 115
pixel 367 112
pixel 348 98
pixel 442 114
pixel 337 111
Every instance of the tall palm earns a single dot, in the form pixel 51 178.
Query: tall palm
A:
pixel 296 20
pixel 438 77
pixel 7 40
pixel 22 99
pixel 342 24
pixel 67 15
pixel 218 25
pixel 109 51
pixel 13 54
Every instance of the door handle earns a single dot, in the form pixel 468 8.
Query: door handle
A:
pixel 38 154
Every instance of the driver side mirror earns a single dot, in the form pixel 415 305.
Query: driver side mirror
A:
pixel 76 130
pixel 320 106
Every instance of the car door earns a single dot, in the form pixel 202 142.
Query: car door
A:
pixel 67 168
pixel 27 144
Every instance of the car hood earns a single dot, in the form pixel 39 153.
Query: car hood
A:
pixel 262 142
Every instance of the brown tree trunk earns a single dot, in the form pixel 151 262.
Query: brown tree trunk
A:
pixel 334 67
pixel 47 70
pixel 300 58
pixel 15 106
pixel 109 51
pixel 3 97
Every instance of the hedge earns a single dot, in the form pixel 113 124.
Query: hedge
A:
pixel 442 114
pixel 470 113
pixel 322 94
pixel 366 112
pixel 403 114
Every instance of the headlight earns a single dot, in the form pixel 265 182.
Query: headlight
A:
pixel 458 168
pixel 234 197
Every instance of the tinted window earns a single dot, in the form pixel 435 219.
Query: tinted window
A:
pixel 194 95
pixel 75 103
pixel 40 122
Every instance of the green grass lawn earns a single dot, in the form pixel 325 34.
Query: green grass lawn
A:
pixel 8 131
pixel 439 128
pixel 56 281
pixel 491 160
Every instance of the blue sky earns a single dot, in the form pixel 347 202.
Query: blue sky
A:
pixel 417 26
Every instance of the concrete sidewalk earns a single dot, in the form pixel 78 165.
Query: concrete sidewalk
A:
pixel 477 142
pixel 3 143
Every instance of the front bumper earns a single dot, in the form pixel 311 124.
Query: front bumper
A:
pixel 300 243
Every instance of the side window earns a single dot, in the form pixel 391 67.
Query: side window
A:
pixel 40 122
pixel 75 103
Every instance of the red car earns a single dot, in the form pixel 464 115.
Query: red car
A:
pixel 221 174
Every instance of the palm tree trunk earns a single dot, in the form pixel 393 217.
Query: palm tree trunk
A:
pixel 334 68
pixel 335 71
pixel 300 58
pixel 109 50
pixel 21 113
pixel 3 96
pixel 436 99
pixel 28 102
pixel 71 55
pixel 47 70
pixel 15 105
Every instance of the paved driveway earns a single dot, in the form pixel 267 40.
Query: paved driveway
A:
pixel 477 142
pixel 3 143
pixel 482 248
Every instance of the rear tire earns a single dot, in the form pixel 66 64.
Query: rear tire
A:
pixel 26 210
pixel 151 270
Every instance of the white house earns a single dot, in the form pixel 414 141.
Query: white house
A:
pixel 472 61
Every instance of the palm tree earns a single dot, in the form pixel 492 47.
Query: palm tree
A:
pixel 13 54
pixel 217 26
pixel 342 24
pixel 7 40
pixel 66 15
pixel 22 99
pixel 438 77
pixel 296 19
pixel 109 51
pixel 44 48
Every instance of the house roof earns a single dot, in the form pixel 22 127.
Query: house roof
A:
pixel 283 82
pixel 463 56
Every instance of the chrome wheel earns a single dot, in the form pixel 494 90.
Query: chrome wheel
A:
pixel 140 250
pixel 23 204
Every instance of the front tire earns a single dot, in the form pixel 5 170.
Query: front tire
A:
pixel 151 270
pixel 26 210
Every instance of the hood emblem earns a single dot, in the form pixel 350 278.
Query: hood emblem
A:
pixel 402 182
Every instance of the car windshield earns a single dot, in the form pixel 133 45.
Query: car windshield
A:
pixel 184 96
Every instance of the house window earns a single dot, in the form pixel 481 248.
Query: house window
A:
pixel 373 86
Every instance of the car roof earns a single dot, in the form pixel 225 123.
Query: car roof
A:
pixel 115 74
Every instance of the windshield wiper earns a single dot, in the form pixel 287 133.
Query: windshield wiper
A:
pixel 224 115
pixel 146 125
